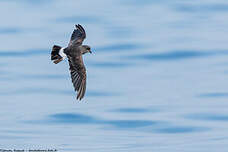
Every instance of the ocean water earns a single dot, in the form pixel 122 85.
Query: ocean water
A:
pixel 157 78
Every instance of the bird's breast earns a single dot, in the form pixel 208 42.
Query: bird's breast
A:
pixel 74 52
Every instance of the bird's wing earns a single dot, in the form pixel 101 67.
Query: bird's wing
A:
pixel 77 36
pixel 78 75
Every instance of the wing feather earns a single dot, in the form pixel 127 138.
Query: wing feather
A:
pixel 77 36
pixel 78 75
pixel 81 90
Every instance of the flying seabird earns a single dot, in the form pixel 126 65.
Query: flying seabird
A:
pixel 74 52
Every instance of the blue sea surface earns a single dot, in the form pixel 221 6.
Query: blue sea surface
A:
pixel 156 80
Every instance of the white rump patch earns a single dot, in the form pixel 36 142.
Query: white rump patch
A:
pixel 62 54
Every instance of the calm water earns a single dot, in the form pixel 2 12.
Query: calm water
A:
pixel 157 78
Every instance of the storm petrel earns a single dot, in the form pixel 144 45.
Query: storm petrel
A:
pixel 74 52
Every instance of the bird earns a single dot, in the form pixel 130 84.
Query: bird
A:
pixel 74 52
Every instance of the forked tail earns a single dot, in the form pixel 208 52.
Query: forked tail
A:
pixel 57 54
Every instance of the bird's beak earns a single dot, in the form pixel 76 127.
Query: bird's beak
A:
pixel 90 51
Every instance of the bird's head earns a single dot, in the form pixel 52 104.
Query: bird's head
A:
pixel 86 49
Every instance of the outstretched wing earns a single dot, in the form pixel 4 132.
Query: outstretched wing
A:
pixel 77 36
pixel 78 75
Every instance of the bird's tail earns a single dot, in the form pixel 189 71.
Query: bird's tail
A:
pixel 57 54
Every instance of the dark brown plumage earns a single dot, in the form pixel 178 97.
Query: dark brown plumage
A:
pixel 74 53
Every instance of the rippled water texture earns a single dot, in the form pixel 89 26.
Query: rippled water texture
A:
pixel 157 78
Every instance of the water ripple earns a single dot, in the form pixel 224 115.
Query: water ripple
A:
pixel 32 2
pixel 110 64
pixel 120 47
pixel 136 125
pixel 120 32
pixel 214 95
pixel 85 119
pixel 44 77
pixel 208 116
pixel 75 118
pixel 9 30
pixel 175 55
pixel 54 92
pixel 202 8
pixel 78 19
pixel 131 110
pixel 179 129
pixel 33 52
pixel 123 124
pixel 178 55
pixel 72 118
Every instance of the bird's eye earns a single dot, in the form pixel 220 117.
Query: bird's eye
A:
pixel 88 48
